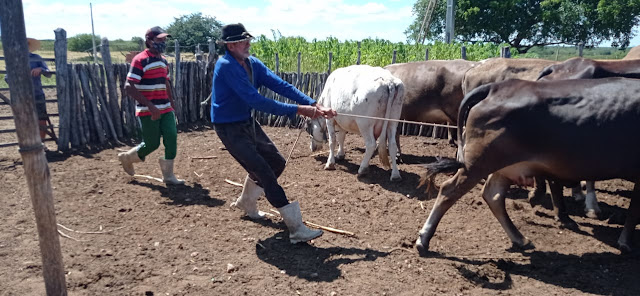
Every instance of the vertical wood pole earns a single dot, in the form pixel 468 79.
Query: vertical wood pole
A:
pixel 359 53
pixel 114 107
pixel 62 89
pixel 395 53
pixel 330 58
pixel 14 43
pixel 277 64
pixel 426 54
pixel 463 52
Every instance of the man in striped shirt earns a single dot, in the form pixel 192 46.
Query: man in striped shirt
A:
pixel 148 83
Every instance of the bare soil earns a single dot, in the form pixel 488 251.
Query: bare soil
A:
pixel 186 240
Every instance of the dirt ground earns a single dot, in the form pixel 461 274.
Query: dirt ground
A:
pixel 185 240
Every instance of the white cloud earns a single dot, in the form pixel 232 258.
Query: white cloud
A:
pixel 308 18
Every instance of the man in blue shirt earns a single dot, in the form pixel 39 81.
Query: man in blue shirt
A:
pixel 236 79
pixel 38 67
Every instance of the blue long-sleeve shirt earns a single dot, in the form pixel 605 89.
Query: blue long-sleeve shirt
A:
pixel 35 61
pixel 233 95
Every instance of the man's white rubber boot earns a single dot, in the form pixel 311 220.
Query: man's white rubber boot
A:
pixel 248 199
pixel 166 166
pixel 127 159
pixel 298 232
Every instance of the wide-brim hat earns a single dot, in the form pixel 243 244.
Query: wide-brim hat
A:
pixel 33 44
pixel 234 33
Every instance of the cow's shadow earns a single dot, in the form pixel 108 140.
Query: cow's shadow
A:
pixel 308 262
pixel 596 273
pixel 193 194
pixel 377 175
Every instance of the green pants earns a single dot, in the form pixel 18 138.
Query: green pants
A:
pixel 152 130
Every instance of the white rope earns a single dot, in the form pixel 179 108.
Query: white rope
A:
pixel 398 120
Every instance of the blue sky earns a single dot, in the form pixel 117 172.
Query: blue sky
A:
pixel 123 19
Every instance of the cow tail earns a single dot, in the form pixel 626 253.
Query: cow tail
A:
pixel 441 165
pixel 383 150
pixel 471 99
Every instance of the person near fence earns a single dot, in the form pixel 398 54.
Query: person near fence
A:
pixel 38 68
pixel 236 79
pixel 148 83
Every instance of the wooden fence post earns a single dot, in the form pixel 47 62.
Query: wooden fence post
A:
pixel 212 51
pixel 426 54
pixel 330 58
pixel 14 42
pixel 114 107
pixel 277 64
pixel 298 77
pixel 505 52
pixel 359 54
pixel 62 89
pixel 177 82
pixel 463 52
pixel 198 53
pixel 393 60
pixel 580 48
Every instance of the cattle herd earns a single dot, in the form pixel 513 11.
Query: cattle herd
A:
pixel 519 121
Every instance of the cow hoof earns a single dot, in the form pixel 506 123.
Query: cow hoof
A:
pixel 526 244
pixel 363 171
pixel 395 178
pixel 566 222
pixel 423 250
pixel 624 247
pixel 593 214
pixel 339 157
pixel 330 167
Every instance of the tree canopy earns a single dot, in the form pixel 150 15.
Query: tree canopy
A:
pixel 83 42
pixel 527 23
pixel 194 29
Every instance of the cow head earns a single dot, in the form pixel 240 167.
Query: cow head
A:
pixel 317 129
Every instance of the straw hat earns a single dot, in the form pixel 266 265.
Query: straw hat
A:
pixel 33 44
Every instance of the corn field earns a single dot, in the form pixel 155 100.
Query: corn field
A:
pixel 314 55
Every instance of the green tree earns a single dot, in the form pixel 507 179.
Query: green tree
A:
pixel 83 42
pixel 194 29
pixel 524 24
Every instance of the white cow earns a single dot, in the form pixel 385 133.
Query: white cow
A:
pixel 367 91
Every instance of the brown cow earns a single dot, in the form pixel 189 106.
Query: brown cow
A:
pixel 566 131
pixel 634 53
pixel 581 68
pixel 500 69
pixel 433 89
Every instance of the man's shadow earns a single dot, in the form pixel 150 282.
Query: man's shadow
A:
pixel 308 262
pixel 183 194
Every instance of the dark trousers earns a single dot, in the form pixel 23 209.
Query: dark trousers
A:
pixel 252 148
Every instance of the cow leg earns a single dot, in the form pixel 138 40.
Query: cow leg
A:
pixel 340 134
pixel 450 192
pixel 559 208
pixel 399 153
pixel 331 160
pixel 576 193
pixel 493 194
pixel 633 218
pixel 591 208
pixel 452 136
pixel 393 150
pixel 370 147
pixel 539 191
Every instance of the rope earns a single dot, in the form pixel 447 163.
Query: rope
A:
pixel 397 120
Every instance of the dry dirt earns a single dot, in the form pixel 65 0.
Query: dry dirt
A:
pixel 180 240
